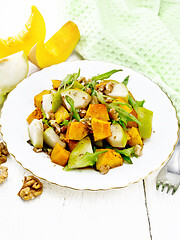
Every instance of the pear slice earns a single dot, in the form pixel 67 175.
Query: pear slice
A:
pixel 47 104
pixel 81 99
pixel 36 133
pixel 145 117
pixel 84 146
pixel 119 90
pixel 118 138
pixel 13 69
pixel 51 138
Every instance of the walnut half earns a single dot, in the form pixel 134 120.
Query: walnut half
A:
pixel 31 188
pixel 3 153
pixel 3 173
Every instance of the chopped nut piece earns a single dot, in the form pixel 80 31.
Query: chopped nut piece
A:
pixel 83 80
pixel 51 115
pixel 100 88
pixel 3 158
pixel 113 114
pixel 63 129
pixel 37 150
pixel 56 126
pixel 109 100
pixel 88 90
pixel 31 188
pixel 3 149
pixel 3 153
pixel 49 151
pixel 104 169
pixel 109 87
pixel 82 113
pixel 138 150
pixel 3 173
pixel 86 122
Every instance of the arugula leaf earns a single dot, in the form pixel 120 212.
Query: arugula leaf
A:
pixel 69 80
pixel 71 103
pixel 123 114
pixel 105 75
pixel 65 122
pixel 128 152
pixel 45 120
pixel 125 82
pixel 127 159
pixel 135 104
pixel 87 159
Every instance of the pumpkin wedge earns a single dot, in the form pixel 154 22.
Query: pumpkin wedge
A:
pixel 58 48
pixel 33 32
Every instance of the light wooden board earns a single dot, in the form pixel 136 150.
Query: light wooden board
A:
pixel 60 213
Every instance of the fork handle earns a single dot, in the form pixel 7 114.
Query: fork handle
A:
pixel 174 162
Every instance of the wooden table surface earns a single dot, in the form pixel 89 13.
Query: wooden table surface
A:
pixel 135 212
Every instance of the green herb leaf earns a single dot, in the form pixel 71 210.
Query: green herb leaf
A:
pixel 87 159
pixel 71 103
pixel 105 75
pixel 125 82
pixel 135 104
pixel 45 120
pixel 127 159
pixel 69 80
pixel 128 152
pixel 64 123
pixel 123 114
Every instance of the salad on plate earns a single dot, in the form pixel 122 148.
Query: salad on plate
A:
pixel 92 122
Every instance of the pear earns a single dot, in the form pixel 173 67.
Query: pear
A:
pixel 145 117
pixel 13 69
pixel 36 133
pixel 81 99
pixel 118 138
pixel 51 138
pixel 119 90
pixel 76 157
pixel 47 104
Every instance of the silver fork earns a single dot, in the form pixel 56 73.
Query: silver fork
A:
pixel 169 176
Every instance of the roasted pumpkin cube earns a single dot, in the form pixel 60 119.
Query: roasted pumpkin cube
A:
pixel 56 83
pixel 59 155
pixel 98 111
pixel 72 144
pixel 110 158
pixel 36 114
pixel 39 97
pixel 126 108
pixel 76 131
pixel 61 114
pixel 131 124
pixel 101 129
pixel 135 138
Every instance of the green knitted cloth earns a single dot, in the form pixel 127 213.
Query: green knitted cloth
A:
pixel 141 34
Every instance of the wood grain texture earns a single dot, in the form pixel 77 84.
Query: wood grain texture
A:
pixel 70 214
pixel 164 211
pixel 60 213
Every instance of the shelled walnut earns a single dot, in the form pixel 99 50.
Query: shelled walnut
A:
pixel 31 188
pixel 3 153
pixel 3 173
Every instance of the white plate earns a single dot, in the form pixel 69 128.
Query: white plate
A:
pixel 157 149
